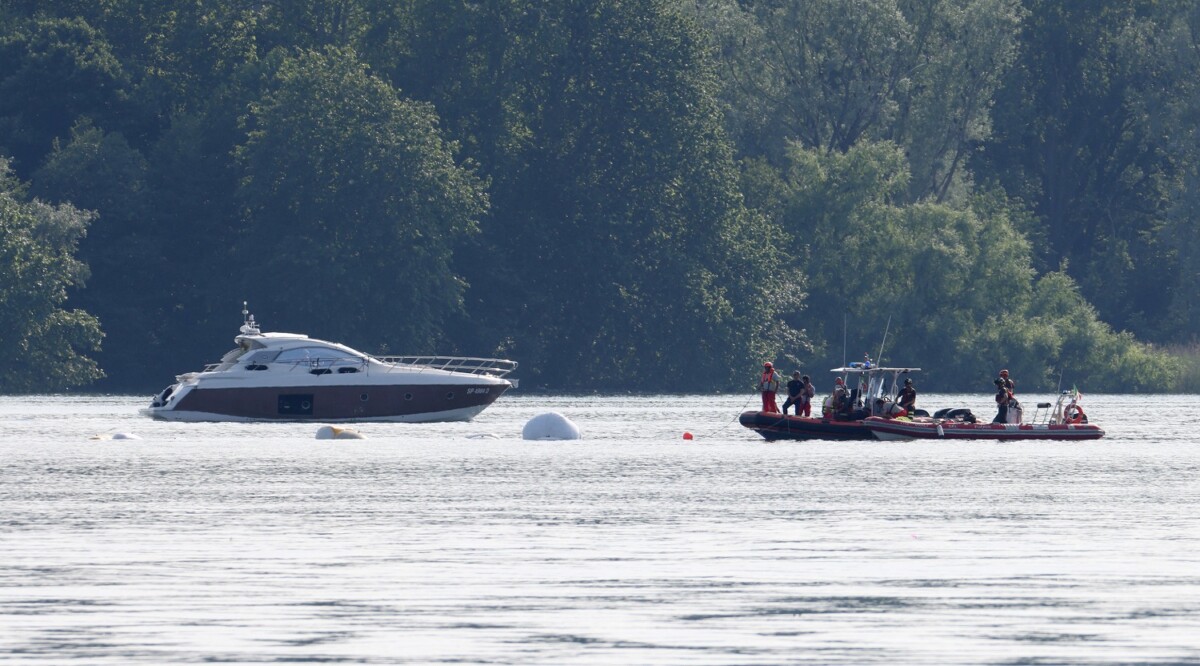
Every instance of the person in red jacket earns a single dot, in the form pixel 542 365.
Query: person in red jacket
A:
pixel 768 383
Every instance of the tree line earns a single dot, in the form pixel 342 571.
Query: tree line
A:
pixel 649 195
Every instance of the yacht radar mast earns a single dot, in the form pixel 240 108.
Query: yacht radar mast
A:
pixel 249 326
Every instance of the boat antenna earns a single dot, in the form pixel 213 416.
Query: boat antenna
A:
pixel 843 339
pixel 879 356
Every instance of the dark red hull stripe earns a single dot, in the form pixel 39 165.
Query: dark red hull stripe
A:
pixel 324 403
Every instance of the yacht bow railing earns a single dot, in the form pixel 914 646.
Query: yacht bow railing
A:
pixel 494 367
pixel 491 367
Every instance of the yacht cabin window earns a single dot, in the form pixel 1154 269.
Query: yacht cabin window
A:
pixel 262 356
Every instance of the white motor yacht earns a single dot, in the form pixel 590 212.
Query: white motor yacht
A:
pixel 292 377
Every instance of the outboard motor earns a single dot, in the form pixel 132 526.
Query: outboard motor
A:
pixel 963 414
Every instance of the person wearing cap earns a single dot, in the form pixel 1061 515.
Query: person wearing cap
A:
pixel 768 383
pixel 907 398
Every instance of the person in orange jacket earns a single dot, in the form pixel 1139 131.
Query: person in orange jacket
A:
pixel 768 383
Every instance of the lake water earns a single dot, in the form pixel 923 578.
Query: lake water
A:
pixel 257 543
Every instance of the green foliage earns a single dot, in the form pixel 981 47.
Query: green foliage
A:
pixel 919 73
pixel 1177 102
pixel 1079 137
pixel 1007 182
pixel 954 287
pixel 1187 359
pixel 42 346
pixel 352 203
pixel 55 70
pixel 620 253
pixel 101 172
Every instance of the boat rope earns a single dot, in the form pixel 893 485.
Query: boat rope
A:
pixel 725 425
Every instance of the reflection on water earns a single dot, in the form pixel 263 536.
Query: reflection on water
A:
pixel 256 543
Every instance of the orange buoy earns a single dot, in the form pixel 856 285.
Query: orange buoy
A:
pixel 688 435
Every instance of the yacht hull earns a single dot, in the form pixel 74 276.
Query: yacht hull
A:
pixel 332 404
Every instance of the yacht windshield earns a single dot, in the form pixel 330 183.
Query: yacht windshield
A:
pixel 317 356
pixel 232 355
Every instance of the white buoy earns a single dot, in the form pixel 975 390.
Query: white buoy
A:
pixel 550 426
pixel 115 435
pixel 330 432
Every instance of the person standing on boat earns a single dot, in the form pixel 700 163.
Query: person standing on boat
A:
pixel 907 398
pixel 768 383
pixel 1012 414
pixel 794 388
pixel 1002 398
pixel 1009 384
pixel 807 392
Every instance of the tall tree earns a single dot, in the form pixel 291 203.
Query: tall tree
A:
pixel 1073 140
pixel 55 71
pixel 352 203
pixel 621 251
pixel 1175 103
pixel 101 172
pixel 43 346
pixel 953 287
pixel 830 74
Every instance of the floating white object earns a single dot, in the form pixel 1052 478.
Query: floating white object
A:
pixel 116 435
pixel 550 425
pixel 482 435
pixel 330 432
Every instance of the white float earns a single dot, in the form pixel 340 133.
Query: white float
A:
pixel 550 426
pixel 330 432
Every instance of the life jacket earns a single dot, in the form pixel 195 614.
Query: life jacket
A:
pixel 769 381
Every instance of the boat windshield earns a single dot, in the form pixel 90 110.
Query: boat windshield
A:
pixel 233 355
pixel 318 356
pixel 872 385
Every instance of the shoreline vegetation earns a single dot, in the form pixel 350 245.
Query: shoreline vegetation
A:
pixel 1187 359
pixel 646 195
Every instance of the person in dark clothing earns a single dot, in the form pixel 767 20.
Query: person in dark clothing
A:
pixel 1008 383
pixel 1002 398
pixel 907 398
pixel 795 388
